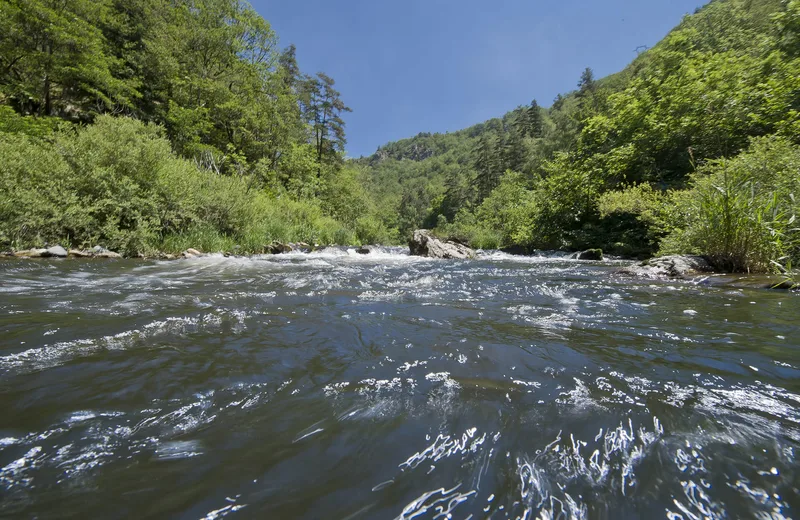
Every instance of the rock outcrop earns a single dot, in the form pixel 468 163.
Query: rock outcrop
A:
pixel 676 266
pixel 423 243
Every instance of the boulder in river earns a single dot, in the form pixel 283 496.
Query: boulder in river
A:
pixel 277 248
pixel 423 243
pixel 78 253
pixel 589 254
pixel 363 250
pixel 55 252
pixel 191 253
pixel 107 254
pixel 675 266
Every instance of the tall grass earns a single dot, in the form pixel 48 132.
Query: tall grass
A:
pixel 741 212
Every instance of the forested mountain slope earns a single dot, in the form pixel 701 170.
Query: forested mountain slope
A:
pixel 622 162
pixel 147 125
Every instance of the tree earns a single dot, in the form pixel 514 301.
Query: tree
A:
pixel 322 109
pixel 487 165
pixel 54 59
pixel 288 66
pixel 535 120
pixel 458 193
pixel 513 151
pixel 587 84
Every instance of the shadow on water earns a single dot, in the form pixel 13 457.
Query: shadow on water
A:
pixel 384 386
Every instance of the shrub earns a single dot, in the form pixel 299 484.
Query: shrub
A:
pixel 740 212
pixel 634 220
pixel 13 123
pixel 467 229
pixel 117 183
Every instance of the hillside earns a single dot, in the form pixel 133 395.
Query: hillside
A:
pixel 607 163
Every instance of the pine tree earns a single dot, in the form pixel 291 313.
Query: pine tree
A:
pixel 587 83
pixel 287 64
pixel 459 192
pixel 513 152
pixel 587 97
pixel 487 165
pixel 323 108
pixel 534 120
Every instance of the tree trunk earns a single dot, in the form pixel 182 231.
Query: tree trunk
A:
pixel 48 101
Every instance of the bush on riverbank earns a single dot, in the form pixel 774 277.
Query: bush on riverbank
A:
pixel 118 183
pixel 741 212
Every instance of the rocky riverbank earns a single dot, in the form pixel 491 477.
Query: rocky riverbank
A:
pixel 59 251
pixel 423 243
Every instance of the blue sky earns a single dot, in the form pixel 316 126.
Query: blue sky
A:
pixel 410 66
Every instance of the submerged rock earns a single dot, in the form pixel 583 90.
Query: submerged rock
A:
pixel 785 285
pixel 423 243
pixel 589 254
pixel 676 266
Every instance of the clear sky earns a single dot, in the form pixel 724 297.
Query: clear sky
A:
pixel 410 66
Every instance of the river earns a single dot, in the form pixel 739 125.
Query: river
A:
pixel 335 385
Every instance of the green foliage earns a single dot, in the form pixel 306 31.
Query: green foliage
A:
pixel 467 229
pixel 607 166
pixel 54 59
pixel 13 123
pixel 210 71
pixel 240 147
pixel 741 212
pixel 117 183
pixel 634 220
pixel 507 210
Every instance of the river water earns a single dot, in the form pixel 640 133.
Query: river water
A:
pixel 334 385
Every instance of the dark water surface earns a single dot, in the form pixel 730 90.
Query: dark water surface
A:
pixel 340 386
